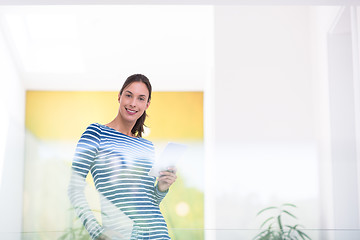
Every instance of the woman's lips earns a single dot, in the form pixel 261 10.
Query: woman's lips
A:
pixel 130 111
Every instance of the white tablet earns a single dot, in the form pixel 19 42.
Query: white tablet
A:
pixel 168 158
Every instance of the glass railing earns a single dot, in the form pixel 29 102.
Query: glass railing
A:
pixel 206 234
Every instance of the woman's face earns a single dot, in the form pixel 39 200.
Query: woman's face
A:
pixel 133 101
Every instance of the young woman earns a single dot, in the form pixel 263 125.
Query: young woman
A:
pixel 119 160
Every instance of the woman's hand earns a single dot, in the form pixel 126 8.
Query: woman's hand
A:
pixel 166 179
pixel 103 237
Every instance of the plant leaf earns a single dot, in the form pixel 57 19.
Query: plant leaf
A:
pixel 265 209
pixel 259 235
pixel 276 235
pixel 301 233
pixel 266 221
pixel 290 214
pixel 280 224
pixel 289 205
pixel 282 231
pixel 268 235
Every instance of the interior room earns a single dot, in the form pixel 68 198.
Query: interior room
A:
pixel 266 94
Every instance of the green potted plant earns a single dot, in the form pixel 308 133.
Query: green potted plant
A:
pixel 275 229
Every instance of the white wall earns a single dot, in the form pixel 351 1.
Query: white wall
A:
pixel 342 123
pixel 265 131
pixel 12 103
pixel 285 118
pixel 336 132
pixel 323 18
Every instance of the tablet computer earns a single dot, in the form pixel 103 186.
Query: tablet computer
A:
pixel 168 158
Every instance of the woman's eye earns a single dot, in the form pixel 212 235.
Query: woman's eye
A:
pixel 128 95
pixel 142 99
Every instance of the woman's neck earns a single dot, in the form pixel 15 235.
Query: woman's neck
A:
pixel 119 125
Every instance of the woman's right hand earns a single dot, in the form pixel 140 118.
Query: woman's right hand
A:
pixel 102 237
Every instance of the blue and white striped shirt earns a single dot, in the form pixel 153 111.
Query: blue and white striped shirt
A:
pixel 119 165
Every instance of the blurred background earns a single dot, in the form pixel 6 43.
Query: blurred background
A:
pixel 265 94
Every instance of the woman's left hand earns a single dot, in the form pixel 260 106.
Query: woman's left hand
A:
pixel 166 179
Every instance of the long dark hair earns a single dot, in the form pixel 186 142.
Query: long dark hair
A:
pixel 138 128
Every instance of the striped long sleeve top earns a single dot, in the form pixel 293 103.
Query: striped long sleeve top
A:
pixel 119 165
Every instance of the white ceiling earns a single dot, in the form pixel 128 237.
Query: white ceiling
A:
pixel 181 2
pixel 97 47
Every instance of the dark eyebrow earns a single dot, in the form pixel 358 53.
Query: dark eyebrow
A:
pixel 133 94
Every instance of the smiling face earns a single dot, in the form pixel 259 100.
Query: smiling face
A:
pixel 133 101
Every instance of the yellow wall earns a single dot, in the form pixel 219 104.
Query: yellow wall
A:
pixel 60 115
pixel 63 116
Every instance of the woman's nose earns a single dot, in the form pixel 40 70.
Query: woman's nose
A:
pixel 133 102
